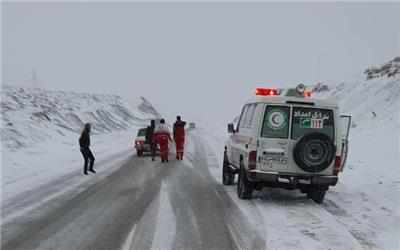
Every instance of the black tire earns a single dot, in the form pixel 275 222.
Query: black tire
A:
pixel 319 196
pixel 227 176
pixel 316 194
pixel 139 152
pixel 244 186
pixel 314 152
pixel 310 193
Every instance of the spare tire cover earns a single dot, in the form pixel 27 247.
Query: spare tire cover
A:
pixel 314 152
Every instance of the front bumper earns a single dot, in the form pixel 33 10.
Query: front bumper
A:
pixel 294 179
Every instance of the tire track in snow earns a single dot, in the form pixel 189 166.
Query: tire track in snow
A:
pixel 128 242
pixel 292 223
pixel 100 217
pixel 309 225
pixel 30 200
pixel 246 235
pixel 166 223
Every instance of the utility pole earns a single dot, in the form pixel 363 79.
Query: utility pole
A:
pixel 35 79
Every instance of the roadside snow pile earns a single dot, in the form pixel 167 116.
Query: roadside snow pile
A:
pixel 30 116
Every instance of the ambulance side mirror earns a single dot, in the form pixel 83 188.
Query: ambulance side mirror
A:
pixel 231 128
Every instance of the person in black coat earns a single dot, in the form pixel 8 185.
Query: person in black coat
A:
pixel 150 139
pixel 84 143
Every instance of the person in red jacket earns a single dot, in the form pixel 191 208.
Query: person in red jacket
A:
pixel 162 136
pixel 179 137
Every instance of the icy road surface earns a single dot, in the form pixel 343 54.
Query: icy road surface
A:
pixel 178 205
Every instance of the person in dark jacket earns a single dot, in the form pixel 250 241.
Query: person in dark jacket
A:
pixel 84 143
pixel 179 137
pixel 150 139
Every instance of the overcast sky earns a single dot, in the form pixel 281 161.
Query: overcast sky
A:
pixel 200 60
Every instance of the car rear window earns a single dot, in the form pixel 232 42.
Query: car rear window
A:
pixel 276 122
pixel 306 120
pixel 142 132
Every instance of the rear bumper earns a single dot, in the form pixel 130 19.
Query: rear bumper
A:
pixel 144 147
pixel 294 179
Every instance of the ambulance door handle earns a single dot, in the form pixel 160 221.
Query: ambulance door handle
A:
pixel 264 153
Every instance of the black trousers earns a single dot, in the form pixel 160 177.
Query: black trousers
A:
pixel 153 149
pixel 88 157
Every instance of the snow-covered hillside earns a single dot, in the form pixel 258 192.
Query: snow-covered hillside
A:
pixel 40 131
pixel 373 101
pixel 30 116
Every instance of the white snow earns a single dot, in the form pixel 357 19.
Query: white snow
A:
pixel 40 131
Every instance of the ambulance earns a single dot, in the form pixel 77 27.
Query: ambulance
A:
pixel 285 138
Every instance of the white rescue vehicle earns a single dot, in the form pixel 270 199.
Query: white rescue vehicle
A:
pixel 286 138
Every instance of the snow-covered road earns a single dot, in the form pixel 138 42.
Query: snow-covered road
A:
pixel 183 205
pixel 142 205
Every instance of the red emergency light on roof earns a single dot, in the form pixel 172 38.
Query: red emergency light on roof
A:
pixel 266 92
pixel 307 94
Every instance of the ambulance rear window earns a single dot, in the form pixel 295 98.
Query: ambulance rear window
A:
pixel 142 132
pixel 276 122
pixel 306 120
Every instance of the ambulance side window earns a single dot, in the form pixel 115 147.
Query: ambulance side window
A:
pixel 249 115
pixel 243 117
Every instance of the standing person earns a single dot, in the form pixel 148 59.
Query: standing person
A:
pixel 179 137
pixel 162 136
pixel 150 139
pixel 84 143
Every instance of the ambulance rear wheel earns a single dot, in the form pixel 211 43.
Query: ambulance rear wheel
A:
pixel 310 193
pixel 316 194
pixel 227 176
pixel 244 186
pixel 319 196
